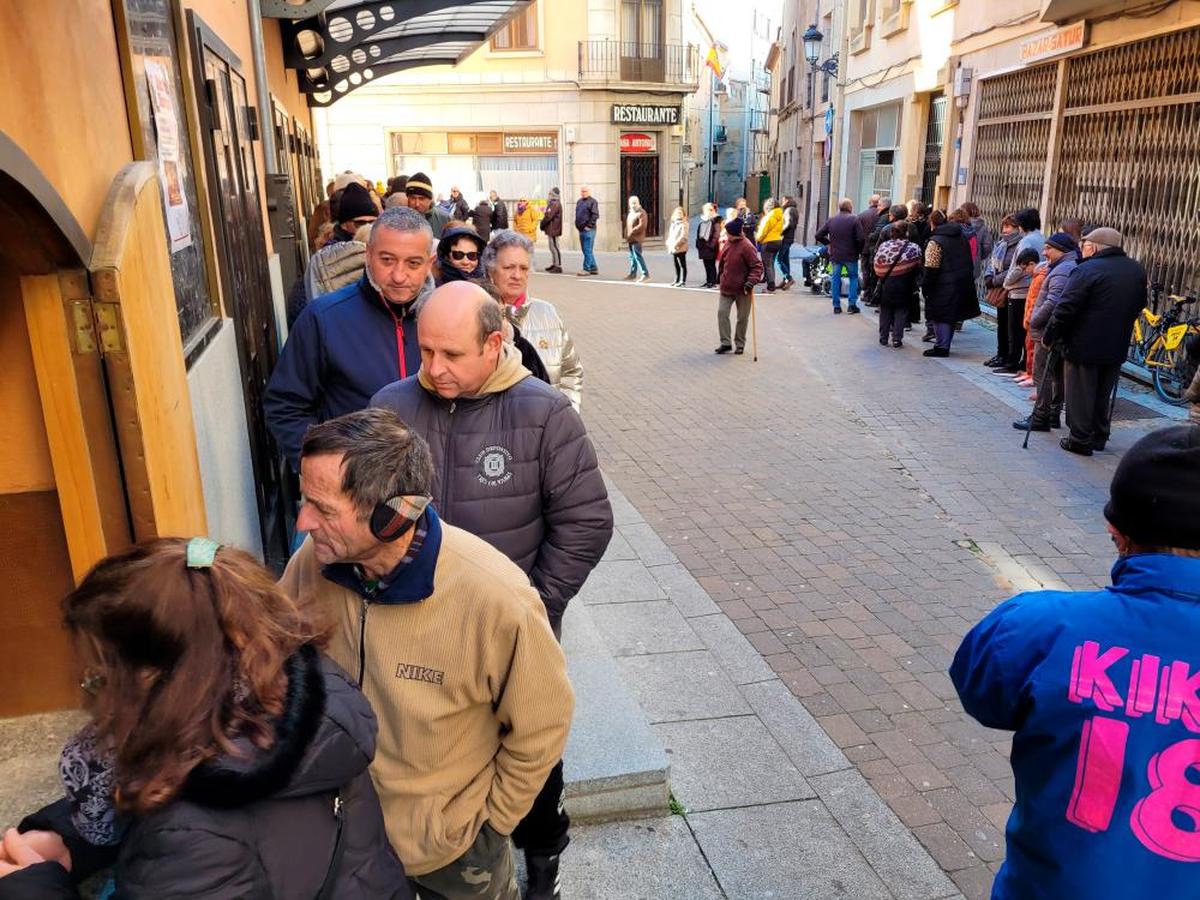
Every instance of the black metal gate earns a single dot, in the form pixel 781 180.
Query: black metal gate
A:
pixel 639 178
pixel 228 133
pixel 935 139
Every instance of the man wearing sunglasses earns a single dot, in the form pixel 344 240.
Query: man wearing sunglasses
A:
pixel 347 345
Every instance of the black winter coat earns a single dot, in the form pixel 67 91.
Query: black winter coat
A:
pixel 551 222
pixel 708 236
pixel 259 827
pixel 481 218
pixel 844 236
pixel 587 213
pixel 546 509
pixel 1094 319
pixel 950 287
pixel 499 215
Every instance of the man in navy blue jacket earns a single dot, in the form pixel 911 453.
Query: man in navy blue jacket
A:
pixel 347 345
pixel 1101 689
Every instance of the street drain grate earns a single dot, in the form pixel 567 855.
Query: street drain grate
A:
pixel 1127 411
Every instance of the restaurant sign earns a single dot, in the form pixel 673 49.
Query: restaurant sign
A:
pixel 636 114
pixel 637 142
pixel 535 142
pixel 1055 43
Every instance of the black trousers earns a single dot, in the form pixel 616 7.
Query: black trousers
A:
pixel 680 266
pixel 769 252
pixel 1016 331
pixel 1089 392
pixel 1002 332
pixel 892 320
pixel 710 271
pixel 544 830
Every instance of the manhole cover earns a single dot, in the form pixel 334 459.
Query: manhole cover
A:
pixel 1126 411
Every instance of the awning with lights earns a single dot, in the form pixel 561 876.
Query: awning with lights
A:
pixel 336 46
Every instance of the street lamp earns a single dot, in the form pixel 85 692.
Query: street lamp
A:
pixel 812 52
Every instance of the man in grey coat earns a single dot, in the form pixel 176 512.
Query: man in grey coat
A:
pixel 514 466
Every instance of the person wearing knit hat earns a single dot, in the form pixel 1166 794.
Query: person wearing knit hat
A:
pixel 355 209
pixel 1099 690
pixel 1062 257
pixel 419 192
pixel 1092 324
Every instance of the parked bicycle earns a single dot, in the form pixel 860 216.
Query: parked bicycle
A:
pixel 1163 343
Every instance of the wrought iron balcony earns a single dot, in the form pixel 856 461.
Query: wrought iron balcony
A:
pixel 607 61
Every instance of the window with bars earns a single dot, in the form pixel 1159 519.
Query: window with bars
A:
pixel 521 33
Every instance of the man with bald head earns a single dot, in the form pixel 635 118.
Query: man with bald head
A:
pixel 348 344
pixel 513 465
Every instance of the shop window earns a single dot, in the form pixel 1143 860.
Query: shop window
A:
pixel 521 33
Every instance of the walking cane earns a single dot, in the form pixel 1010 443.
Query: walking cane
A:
pixel 753 327
pixel 1051 362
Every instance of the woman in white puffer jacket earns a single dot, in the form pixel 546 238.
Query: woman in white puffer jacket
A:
pixel 507 261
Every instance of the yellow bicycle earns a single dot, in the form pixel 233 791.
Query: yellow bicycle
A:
pixel 1166 348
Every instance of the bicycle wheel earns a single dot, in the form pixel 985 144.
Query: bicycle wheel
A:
pixel 1173 373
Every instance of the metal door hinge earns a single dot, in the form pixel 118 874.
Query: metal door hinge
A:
pixel 82 326
pixel 108 327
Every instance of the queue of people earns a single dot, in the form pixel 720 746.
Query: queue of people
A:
pixel 388 720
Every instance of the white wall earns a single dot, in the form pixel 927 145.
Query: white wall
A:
pixel 223 443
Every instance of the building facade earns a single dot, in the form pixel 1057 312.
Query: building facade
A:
pixel 1080 109
pixel 805 99
pixel 590 94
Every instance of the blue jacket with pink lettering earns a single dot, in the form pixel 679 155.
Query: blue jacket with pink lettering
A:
pixel 1101 690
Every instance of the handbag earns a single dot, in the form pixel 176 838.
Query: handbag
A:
pixel 877 291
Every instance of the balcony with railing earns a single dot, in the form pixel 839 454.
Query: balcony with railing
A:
pixel 606 61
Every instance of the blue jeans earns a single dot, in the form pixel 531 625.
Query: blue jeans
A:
pixel 851 270
pixel 784 259
pixel 636 260
pixel 587 240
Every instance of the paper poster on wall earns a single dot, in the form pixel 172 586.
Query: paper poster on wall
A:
pixel 166 127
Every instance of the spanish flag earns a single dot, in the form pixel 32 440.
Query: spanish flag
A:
pixel 718 54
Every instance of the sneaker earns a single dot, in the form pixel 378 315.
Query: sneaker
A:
pixel 739 351
pixel 1073 446
pixel 724 348
pixel 1011 371
pixel 837 310
pixel 631 276
pixel 643 278
pixel 897 344
pixel 1023 382
pixel 770 290
pixel 584 273
pixel 937 351
pixel 853 310
pixel 1031 424
pixel 995 362
pixel 544 882
pixel 1000 373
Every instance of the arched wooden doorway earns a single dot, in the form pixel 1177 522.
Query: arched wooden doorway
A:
pixel 59 468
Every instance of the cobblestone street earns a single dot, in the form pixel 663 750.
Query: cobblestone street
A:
pixel 853 509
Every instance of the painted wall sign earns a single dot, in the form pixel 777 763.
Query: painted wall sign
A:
pixel 1062 40
pixel 536 142
pixel 634 114
pixel 638 142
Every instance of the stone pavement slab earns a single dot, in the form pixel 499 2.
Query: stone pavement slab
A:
pixel 651 859
pixel 673 687
pixel 722 763
pixel 789 851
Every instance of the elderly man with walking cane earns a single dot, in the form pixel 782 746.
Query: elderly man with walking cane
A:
pixel 740 268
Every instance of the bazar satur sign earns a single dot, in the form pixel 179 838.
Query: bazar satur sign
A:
pixel 1062 40
pixel 637 114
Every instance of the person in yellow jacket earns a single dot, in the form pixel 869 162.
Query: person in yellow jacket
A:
pixel 769 238
pixel 525 220
pixel 448 640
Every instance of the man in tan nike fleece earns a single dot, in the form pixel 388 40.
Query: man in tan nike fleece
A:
pixel 448 640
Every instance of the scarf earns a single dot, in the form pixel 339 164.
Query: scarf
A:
pixel 898 256
pixel 86 770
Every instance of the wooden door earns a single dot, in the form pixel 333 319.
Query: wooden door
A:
pixel 639 178
pixel 228 134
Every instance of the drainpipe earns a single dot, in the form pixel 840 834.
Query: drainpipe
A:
pixel 266 125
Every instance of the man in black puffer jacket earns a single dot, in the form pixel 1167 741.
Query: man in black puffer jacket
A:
pixel 513 465
pixel 1093 322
